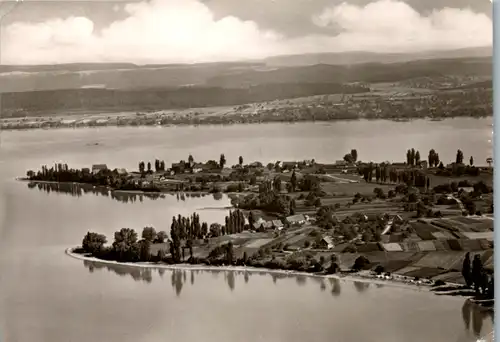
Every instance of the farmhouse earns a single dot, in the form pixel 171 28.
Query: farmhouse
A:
pixel 96 168
pixel 326 243
pixel 296 219
pixel 121 171
pixel 277 224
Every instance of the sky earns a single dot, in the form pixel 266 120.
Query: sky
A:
pixel 190 31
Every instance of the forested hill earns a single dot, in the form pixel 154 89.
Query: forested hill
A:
pixel 230 75
pixel 45 102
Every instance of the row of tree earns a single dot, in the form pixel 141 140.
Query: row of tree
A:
pixel 475 276
pixel 385 173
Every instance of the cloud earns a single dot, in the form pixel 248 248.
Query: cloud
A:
pixel 388 25
pixel 176 31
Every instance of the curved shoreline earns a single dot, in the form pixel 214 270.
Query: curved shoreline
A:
pixel 351 278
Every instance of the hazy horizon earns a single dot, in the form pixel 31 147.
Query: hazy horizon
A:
pixel 191 31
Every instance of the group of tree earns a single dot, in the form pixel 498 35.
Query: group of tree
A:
pixel 351 157
pixel 189 228
pixel 159 166
pixel 433 158
pixel 109 178
pixel 235 222
pixel 126 247
pixel 412 157
pixel 385 173
pixel 476 276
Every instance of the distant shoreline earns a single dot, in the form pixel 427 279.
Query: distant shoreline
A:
pixel 217 122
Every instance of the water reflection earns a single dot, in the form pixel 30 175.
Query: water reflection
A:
pixel 361 286
pixel 473 316
pixel 231 280
pixel 179 277
pixel 301 280
pixel 335 283
pixel 78 190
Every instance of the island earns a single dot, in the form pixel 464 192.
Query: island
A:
pixel 417 221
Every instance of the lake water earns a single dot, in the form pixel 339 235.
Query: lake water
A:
pixel 48 296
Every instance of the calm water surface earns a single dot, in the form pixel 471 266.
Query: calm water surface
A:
pixel 48 296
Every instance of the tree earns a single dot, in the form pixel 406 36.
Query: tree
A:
pixel 412 156
pixel 222 161
pixel 149 166
pixel 157 165
pixel 161 236
pixel 215 230
pixel 293 206
pixel 471 161
pixel 190 160
pixel 354 155
pixel 189 245
pixel 460 157
pixel 277 184
pixel 230 253
pixel 432 158
pixel 204 229
pixel 293 181
pixel 241 161
pixel 145 250
pixel 348 158
pixel 466 270
pixel 141 167
pixel 251 220
pixel 149 234
pixel 93 242
pixel 175 244
pixel 125 245
pixel 126 235
pixel 477 272
pixel 334 267
pixel 417 158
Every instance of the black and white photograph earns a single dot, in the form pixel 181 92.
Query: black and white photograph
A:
pixel 243 171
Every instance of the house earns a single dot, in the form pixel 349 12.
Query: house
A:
pixel 397 219
pixel 178 167
pixel 277 224
pixel 259 222
pixel 326 243
pixel 86 170
pixel 267 225
pixel 96 168
pixel 121 171
pixel 296 219
pixel 466 189
pixel 256 165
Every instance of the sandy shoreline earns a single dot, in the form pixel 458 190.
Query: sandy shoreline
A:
pixel 351 278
